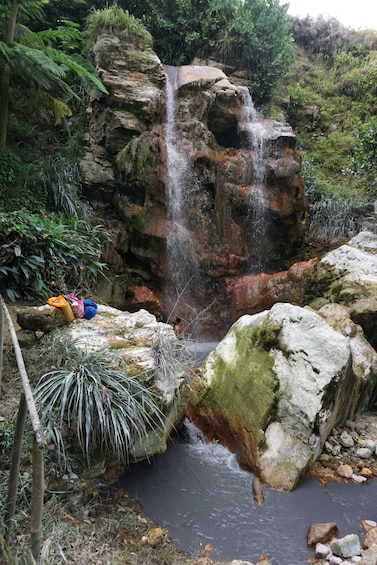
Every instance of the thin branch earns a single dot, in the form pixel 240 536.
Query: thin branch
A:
pixel 14 468
pixel 200 316
pixel 179 296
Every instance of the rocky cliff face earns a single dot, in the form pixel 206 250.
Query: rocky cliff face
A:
pixel 125 176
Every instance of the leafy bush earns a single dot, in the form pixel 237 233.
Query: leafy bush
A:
pixel 40 254
pixel 10 166
pixel 89 404
pixel 297 98
pixel 326 35
pixel 252 33
pixel 13 173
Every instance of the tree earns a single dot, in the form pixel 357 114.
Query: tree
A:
pixel 258 36
pixel 35 59
pixel 254 32
pixel 4 89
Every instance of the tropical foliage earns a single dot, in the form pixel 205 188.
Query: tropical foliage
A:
pixel 331 91
pixel 36 59
pixel 45 253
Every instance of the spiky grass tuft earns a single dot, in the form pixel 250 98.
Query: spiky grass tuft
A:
pixel 90 401
pixel 114 20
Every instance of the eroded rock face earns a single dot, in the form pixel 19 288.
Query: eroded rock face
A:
pixel 278 383
pixel 252 294
pixel 124 174
pixel 40 318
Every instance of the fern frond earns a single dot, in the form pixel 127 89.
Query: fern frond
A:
pixel 71 64
pixel 32 10
pixel 39 59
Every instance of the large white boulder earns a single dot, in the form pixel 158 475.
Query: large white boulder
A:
pixel 275 387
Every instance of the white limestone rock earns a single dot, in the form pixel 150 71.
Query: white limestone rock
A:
pixel 276 386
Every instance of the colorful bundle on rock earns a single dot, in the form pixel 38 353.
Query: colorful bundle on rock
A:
pixel 72 307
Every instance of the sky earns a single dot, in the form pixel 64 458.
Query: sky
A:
pixel 357 14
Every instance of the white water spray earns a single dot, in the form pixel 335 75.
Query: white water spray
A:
pixel 181 186
pixel 254 134
pixel 181 252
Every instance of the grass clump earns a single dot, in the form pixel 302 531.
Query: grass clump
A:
pixel 114 20
pixel 333 214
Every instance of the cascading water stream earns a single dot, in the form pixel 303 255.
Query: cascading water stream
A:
pixel 254 136
pixel 181 251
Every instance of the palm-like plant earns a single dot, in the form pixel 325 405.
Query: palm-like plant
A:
pixel 88 402
pixel 34 56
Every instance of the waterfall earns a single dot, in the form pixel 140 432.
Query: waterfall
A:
pixel 254 136
pixel 180 185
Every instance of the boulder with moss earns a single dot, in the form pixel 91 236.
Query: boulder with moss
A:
pixel 275 387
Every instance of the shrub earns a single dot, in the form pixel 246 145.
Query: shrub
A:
pixel 332 214
pixel 364 159
pixel 89 404
pixel 40 254
pixel 17 181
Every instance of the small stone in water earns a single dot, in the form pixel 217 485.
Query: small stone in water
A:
pixel 370 538
pixel 348 546
pixel 321 533
pixel 358 479
pixel 321 550
pixel 366 472
pixel 369 523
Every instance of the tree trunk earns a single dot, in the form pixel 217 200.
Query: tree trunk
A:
pixel 4 87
